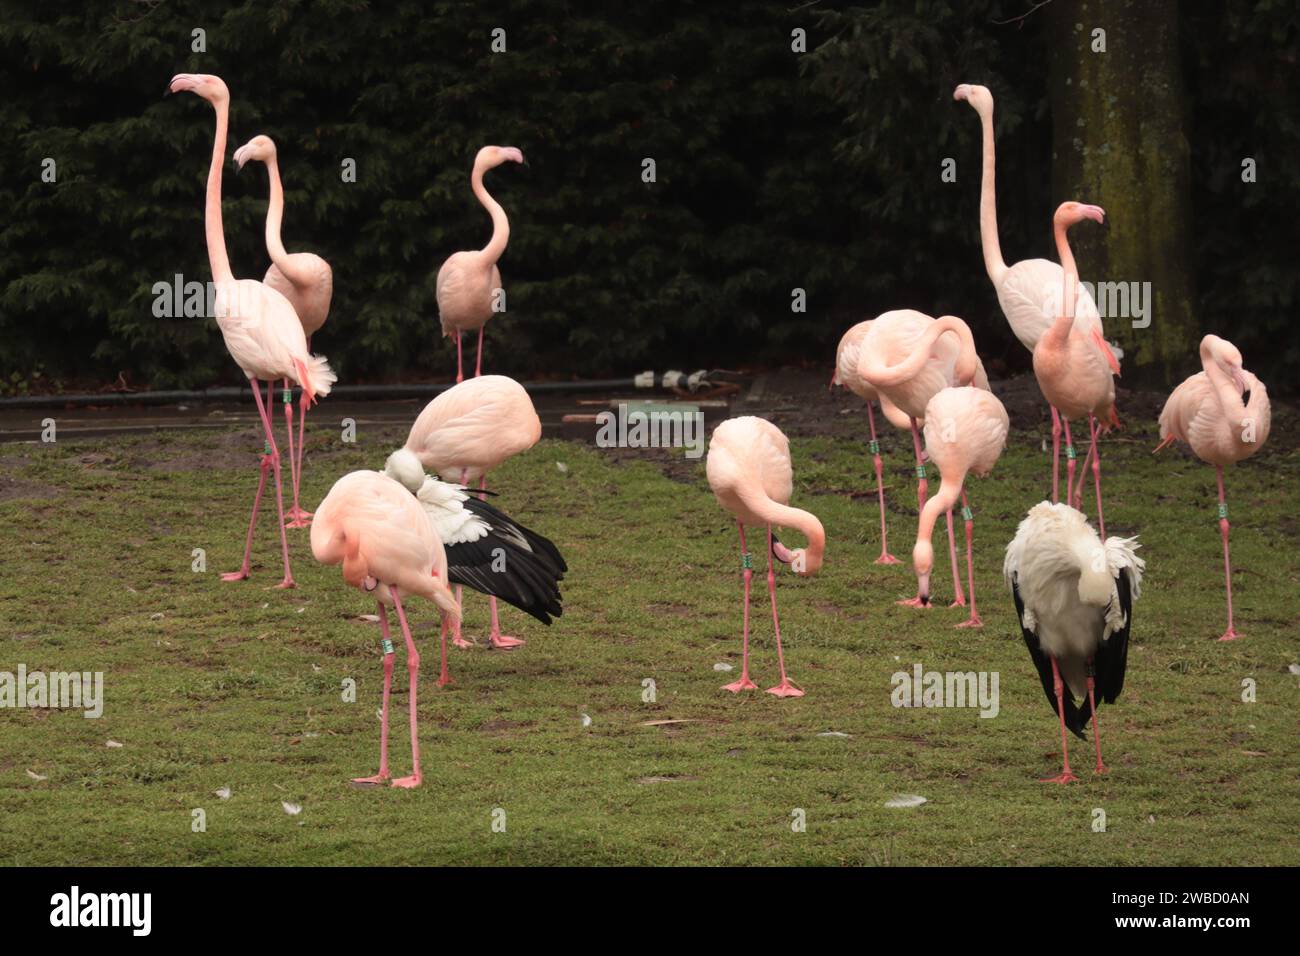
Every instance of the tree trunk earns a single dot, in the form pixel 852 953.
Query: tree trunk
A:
pixel 1118 141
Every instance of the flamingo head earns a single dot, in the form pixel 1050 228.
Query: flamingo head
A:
pixel 211 88
pixel 978 97
pixel 1228 357
pixel 490 157
pixel 1070 212
pixel 260 148
pixel 923 564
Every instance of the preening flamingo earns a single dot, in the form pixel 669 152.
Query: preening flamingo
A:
pixel 749 470
pixel 468 281
pixel 1028 291
pixel 1224 414
pixel 1072 374
pixel 463 434
pixel 306 280
pixel 492 553
pixel 909 358
pixel 965 431
pixel 1074 597
pixel 258 324
pixel 374 528
pixel 846 374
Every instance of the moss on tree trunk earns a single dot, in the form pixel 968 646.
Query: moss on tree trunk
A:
pixel 1119 140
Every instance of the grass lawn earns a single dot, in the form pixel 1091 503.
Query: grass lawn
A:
pixel 211 685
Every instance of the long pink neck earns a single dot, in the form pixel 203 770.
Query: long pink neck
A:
pixel 993 262
pixel 500 224
pixel 1059 331
pixel 218 260
pixel 806 524
pixel 943 499
pixel 875 371
pixel 1229 400
pixel 274 217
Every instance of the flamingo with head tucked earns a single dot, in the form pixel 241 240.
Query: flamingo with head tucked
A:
pixel 1028 291
pixel 1072 374
pixel 846 374
pixel 1223 412
pixel 909 358
pixel 259 326
pixel 750 473
pixel 377 530
pixel 305 279
pixel 469 282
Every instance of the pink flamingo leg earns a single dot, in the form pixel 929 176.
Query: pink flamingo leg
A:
pixel 1231 633
pixel 383 775
pixel 297 517
pixel 1096 473
pixel 460 374
pixel 960 599
pixel 969 517
pixel 1077 500
pixel 1096 726
pixel 496 639
pixel 279 493
pixel 1069 461
pixel 455 627
pixel 412 666
pixel 288 428
pixel 1066 775
pixel 922 487
pixel 786 688
pixel 747 569
pixel 478 363
pixel 444 675
pixel 885 556
pixel 242 573
pixel 1056 454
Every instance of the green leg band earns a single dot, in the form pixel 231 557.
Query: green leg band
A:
pixel 288 396
pixel 967 514
pixel 920 471
pixel 1069 453
pixel 266 448
pixel 746 562
pixel 874 446
pixel 1223 512
pixel 387 646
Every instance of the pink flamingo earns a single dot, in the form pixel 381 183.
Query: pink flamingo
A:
pixel 306 280
pixel 374 528
pixel 260 329
pixel 1074 596
pixel 1072 374
pixel 468 282
pixel 1029 290
pixel 909 358
pixel 965 431
pixel 463 434
pixel 846 374
pixel 749 470
pixel 1224 414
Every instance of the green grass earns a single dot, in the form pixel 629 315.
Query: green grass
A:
pixel 211 685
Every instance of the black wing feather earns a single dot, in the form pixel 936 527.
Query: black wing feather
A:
pixel 1112 657
pixel 1074 719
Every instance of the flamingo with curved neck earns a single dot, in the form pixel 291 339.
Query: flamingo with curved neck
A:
pixel 750 472
pixel 469 283
pixel 306 280
pixel 259 326
pixel 909 358
pixel 1223 412
pixel 1027 290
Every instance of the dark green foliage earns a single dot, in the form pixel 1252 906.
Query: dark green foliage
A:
pixel 775 171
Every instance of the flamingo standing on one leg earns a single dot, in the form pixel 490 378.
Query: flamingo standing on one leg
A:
pixel 492 553
pixel 258 324
pixel 1072 374
pixel 1074 597
pixel 463 434
pixel 374 528
pixel 306 280
pixel 846 374
pixel 965 431
pixel 909 358
pixel 749 470
pixel 1224 414
pixel 468 281
pixel 1029 290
